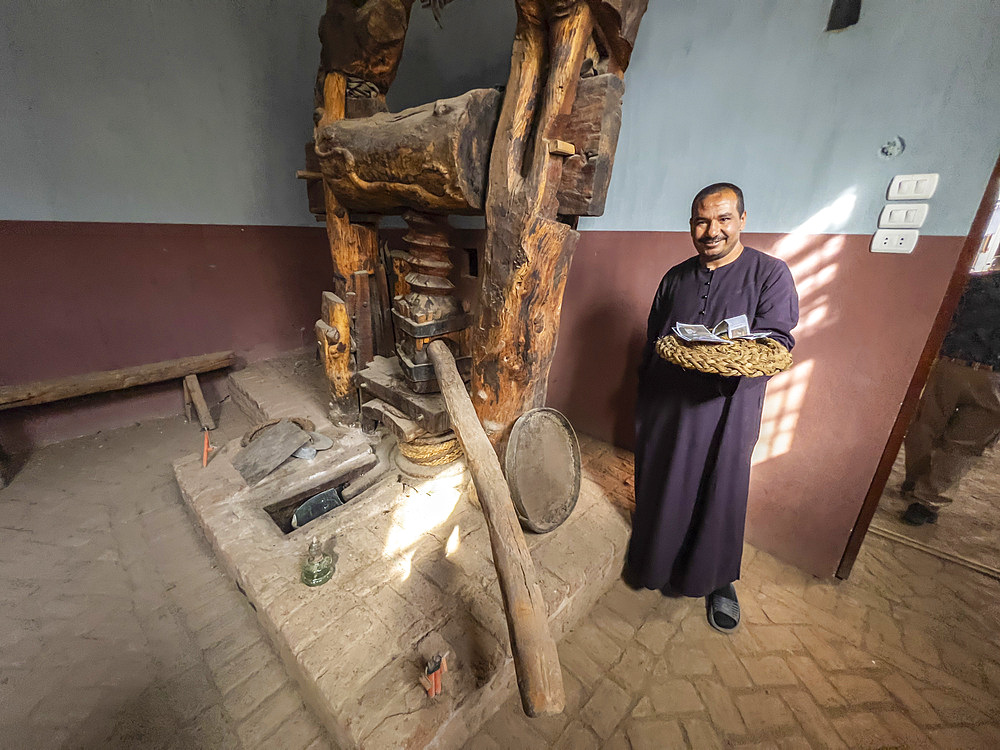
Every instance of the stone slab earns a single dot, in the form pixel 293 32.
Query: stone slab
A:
pixel 290 386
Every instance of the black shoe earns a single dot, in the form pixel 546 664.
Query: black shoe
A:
pixel 918 514
pixel 907 486
pixel 723 609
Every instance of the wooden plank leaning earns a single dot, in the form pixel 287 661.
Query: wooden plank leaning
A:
pixel 536 661
pixel 193 390
pixel 46 391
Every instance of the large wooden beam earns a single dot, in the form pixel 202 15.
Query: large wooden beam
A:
pixel 46 391
pixel 433 157
pixel 529 246
pixel 536 661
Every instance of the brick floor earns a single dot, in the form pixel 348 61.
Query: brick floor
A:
pixel 117 629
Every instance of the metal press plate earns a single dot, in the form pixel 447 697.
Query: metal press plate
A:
pixel 543 469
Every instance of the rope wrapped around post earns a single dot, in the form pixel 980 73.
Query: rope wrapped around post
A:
pixel 741 357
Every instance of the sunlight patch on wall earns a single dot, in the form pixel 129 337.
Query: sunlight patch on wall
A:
pixel 811 254
pixel 785 394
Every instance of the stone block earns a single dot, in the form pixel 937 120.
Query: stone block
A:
pixel 723 712
pixel 763 712
pixel 671 697
pixel 606 708
pixel 862 730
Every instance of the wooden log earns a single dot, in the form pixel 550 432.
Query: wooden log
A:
pixel 536 661
pixel 45 391
pixel 527 251
pixel 193 388
pixel 432 158
pixel 353 248
pixel 618 23
pixel 363 151
pixel 593 127
pixel 364 39
pixel 188 403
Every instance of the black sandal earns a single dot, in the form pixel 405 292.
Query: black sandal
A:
pixel 723 609
pixel 918 514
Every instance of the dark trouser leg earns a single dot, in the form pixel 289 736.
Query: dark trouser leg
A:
pixel 972 426
pixel 937 404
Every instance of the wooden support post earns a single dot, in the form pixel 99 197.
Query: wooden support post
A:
pixel 363 318
pixel 333 333
pixel 193 389
pixel 536 661
pixel 529 246
pixel 528 251
pixel 387 339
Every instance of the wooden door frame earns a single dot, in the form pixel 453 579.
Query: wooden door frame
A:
pixel 956 286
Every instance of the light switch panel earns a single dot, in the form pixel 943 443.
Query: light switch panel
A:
pixel 903 216
pixel 912 187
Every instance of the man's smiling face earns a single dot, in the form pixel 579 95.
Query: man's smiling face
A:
pixel 716 226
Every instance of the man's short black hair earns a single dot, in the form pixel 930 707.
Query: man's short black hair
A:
pixel 719 187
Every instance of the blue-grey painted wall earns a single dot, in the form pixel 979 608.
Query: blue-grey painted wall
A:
pixel 758 93
pixel 179 111
pixel 194 112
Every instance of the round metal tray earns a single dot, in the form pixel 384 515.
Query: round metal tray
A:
pixel 543 469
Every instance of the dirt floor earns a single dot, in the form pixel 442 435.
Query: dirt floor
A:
pixel 968 528
pixel 118 630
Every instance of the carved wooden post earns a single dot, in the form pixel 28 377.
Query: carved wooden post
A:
pixel 362 44
pixel 529 246
pixel 528 249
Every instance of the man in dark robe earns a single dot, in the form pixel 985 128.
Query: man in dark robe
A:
pixel 695 431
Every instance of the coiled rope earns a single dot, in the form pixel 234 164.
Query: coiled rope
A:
pixel 432 454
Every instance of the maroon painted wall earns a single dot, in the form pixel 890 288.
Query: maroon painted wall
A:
pixel 76 298
pixel 83 297
pixel 865 318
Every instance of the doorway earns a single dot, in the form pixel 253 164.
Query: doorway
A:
pixel 883 500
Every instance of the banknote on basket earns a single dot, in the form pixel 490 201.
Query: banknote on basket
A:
pixel 737 327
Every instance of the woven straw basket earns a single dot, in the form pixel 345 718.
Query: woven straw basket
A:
pixel 743 357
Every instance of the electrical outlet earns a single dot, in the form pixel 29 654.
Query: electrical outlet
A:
pixel 894 240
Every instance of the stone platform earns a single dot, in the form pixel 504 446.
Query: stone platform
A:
pixel 414 576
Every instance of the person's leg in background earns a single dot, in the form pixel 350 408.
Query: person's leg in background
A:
pixel 973 425
pixel 936 406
